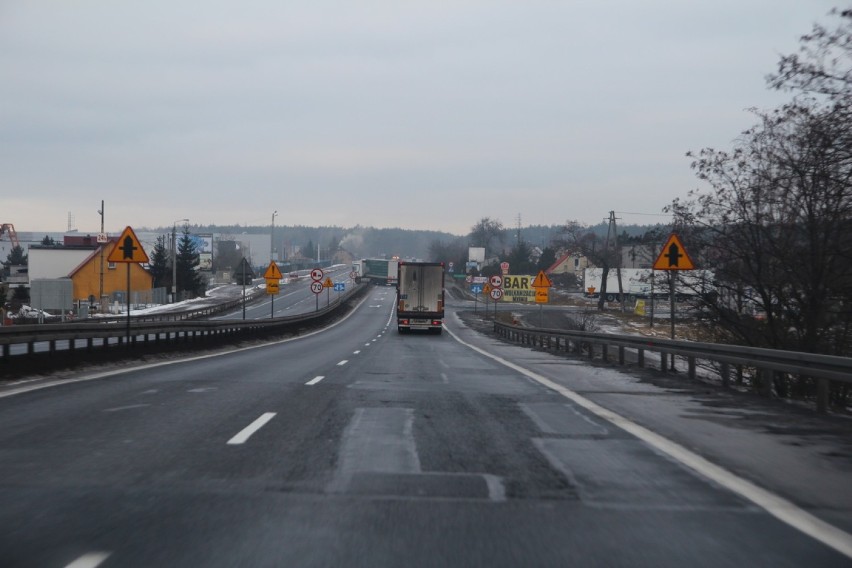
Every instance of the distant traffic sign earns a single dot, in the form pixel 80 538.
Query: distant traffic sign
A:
pixel 339 286
pixel 316 287
pixel 273 271
pixel 673 256
pixel 272 286
pixel 353 275
pixel 541 281
pixel 476 288
pixel 328 283
pixel 317 274
pixel 496 281
pixel 128 249
pixel 504 267
pixel 496 294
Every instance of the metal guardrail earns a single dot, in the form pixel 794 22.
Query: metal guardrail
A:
pixel 765 362
pixel 178 326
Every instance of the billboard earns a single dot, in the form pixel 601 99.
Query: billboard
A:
pixel 476 254
pixel 518 288
pixel 204 247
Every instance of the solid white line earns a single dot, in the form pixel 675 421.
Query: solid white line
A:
pixel 342 363
pixel 315 380
pixel 780 508
pixel 246 432
pixel 89 560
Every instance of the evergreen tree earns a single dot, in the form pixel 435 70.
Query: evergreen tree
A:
pixel 48 241
pixel 548 257
pixel 188 259
pixel 16 257
pixel 160 267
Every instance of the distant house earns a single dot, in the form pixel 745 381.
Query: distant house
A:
pixel 80 260
pixel 569 263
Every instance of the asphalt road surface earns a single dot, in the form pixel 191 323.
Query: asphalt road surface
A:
pixel 357 446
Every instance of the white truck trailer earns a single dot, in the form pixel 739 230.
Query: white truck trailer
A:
pixel 420 297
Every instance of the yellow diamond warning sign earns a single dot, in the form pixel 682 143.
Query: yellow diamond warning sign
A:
pixel 674 256
pixel 128 249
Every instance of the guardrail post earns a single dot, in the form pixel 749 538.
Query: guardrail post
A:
pixel 691 360
pixel 605 352
pixel 31 348
pixel 725 371
pixel 641 357
pixel 764 382
pixel 663 359
pixel 52 344
pixel 6 351
pixel 822 395
pixel 621 355
pixel 591 350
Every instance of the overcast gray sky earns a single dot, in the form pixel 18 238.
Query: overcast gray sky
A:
pixel 413 114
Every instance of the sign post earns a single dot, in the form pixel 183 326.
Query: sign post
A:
pixel 273 276
pixel 328 285
pixel 541 284
pixel 316 284
pixel 496 290
pixel 128 250
pixel 672 258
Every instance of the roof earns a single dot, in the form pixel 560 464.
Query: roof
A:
pixel 559 261
pixel 89 258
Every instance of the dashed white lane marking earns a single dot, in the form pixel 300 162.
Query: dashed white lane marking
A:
pixel 247 432
pixel 315 380
pixel 445 378
pixel 342 363
pixel 780 508
pixel 89 560
pixel 129 407
pixel 366 345
pixel 356 352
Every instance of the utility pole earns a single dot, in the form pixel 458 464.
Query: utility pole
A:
pixel 272 237
pixel 174 258
pixel 103 246
pixel 518 235
pixel 613 229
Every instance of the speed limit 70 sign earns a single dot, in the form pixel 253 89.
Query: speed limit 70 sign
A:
pixel 316 287
pixel 496 294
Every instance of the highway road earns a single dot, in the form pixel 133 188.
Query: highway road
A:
pixel 357 446
pixel 295 297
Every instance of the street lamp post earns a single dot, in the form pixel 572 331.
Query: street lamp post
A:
pixel 272 237
pixel 174 257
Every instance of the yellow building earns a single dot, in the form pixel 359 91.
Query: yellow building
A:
pixel 86 276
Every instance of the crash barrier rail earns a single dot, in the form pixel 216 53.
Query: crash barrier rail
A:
pixel 765 362
pixel 187 314
pixel 146 331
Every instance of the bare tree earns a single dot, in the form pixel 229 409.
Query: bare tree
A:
pixel 486 232
pixel 579 238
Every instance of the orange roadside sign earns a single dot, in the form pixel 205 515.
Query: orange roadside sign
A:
pixel 541 296
pixel 128 249
pixel 541 281
pixel 674 256
pixel 487 288
pixel 328 283
pixel 272 286
pixel 273 271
